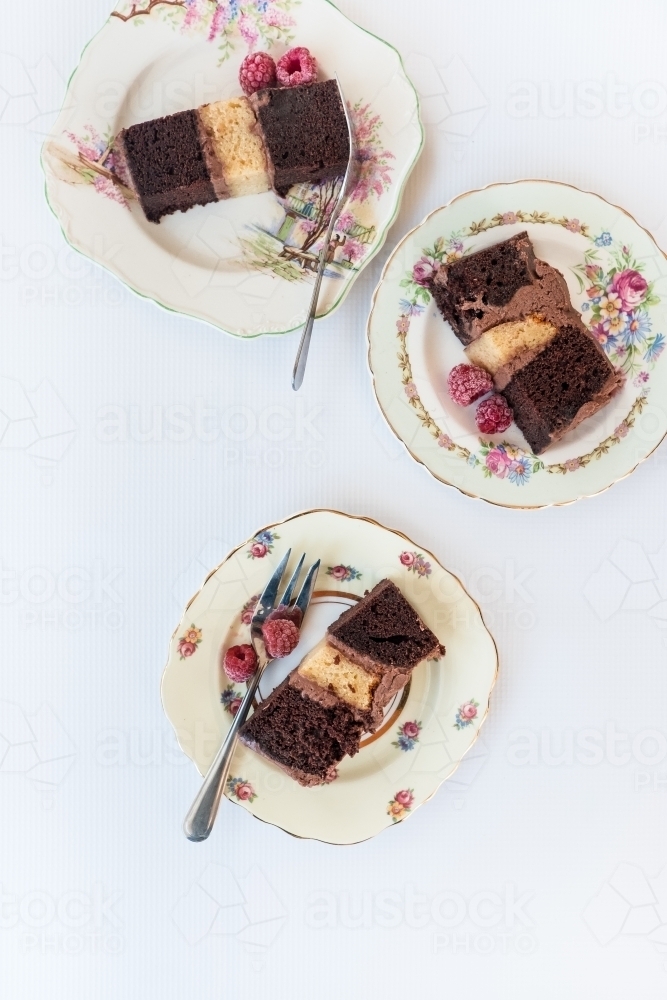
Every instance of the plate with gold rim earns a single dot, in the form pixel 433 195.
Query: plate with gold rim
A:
pixel 617 278
pixel 427 729
pixel 245 265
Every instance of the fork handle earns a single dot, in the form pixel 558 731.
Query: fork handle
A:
pixel 199 821
pixel 304 346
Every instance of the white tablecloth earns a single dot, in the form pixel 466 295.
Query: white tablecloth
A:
pixel 541 870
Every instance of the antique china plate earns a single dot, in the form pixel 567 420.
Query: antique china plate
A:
pixel 617 279
pixel 427 729
pixel 245 265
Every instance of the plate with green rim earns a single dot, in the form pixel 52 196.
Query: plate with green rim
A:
pixel 617 278
pixel 427 729
pixel 244 265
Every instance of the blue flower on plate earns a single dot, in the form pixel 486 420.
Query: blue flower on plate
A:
pixel 266 537
pixel 603 240
pixel 519 472
pixel 637 329
pixel 585 307
pixel 410 308
pixel 655 348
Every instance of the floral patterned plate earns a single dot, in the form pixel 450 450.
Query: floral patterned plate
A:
pixel 245 265
pixel 427 729
pixel 617 279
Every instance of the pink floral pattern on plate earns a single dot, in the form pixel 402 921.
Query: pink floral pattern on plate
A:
pixel 231 700
pixel 343 574
pixel 188 643
pixel 466 714
pixel 415 562
pixel 401 804
pixel 262 544
pixel 98 164
pixel 407 736
pixel 248 609
pixel 241 790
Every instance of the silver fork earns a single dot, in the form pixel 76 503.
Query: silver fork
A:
pixel 346 187
pixel 199 821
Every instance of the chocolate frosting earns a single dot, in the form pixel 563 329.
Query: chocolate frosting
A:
pixel 213 164
pixel 548 298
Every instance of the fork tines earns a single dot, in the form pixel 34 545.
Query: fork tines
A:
pixel 269 599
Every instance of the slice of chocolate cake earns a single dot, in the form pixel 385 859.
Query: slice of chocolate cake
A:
pixel 166 164
pixel 551 391
pixel 384 634
pixel 319 713
pixel 497 285
pixel 305 133
pixel 308 738
pixel 514 314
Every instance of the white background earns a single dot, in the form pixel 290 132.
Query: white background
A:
pixel 99 894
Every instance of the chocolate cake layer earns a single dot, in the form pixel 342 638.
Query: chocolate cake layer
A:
pixel 307 738
pixel 167 165
pixel 305 133
pixel 563 384
pixel 383 633
pixel 500 284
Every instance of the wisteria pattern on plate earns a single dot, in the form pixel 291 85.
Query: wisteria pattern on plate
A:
pixel 263 250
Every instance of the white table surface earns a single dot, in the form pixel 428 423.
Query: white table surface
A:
pixel 536 872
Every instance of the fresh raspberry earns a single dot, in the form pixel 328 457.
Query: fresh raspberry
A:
pixel 283 613
pixel 240 663
pixel 467 383
pixel 280 637
pixel 493 415
pixel 297 68
pixel 258 70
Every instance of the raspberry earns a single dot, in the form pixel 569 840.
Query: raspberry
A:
pixel 283 613
pixel 280 637
pixel 297 68
pixel 493 415
pixel 240 663
pixel 467 383
pixel 258 70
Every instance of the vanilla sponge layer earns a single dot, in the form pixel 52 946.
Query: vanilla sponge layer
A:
pixel 331 670
pixel 231 128
pixel 500 345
